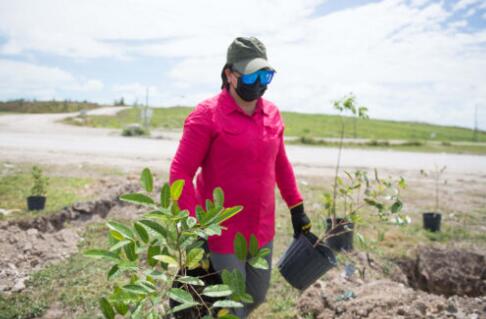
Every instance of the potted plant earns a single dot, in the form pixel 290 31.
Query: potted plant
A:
pixel 310 256
pixel 164 269
pixel 37 199
pixel 432 220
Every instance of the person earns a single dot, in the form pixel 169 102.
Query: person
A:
pixel 236 139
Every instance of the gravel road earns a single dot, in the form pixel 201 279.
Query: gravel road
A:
pixel 39 138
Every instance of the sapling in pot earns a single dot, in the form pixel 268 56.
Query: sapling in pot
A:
pixel 341 229
pixel 37 198
pixel 162 266
pixel 432 220
pixel 310 256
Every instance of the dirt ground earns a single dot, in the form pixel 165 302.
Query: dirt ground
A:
pixel 27 245
pixel 369 293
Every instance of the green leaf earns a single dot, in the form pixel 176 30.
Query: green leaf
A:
pixel 209 205
pixel 165 195
pixel 156 227
pixel 152 251
pixel 218 197
pixel 141 232
pixel 227 304
pixel 263 252
pixel 258 262
pixel 121 308
pixel 240 246
pixel 176 189
pixel 120 228
pixel 146 180
pixel 180 295
pixel 130 251
pixel 253 245
pixel 148 286
pixel 200 214
pixel 167 259
pixel 137 198
pixel 246 298
pixel 120 244
pixel 227 213
pixel 106 308
pixel 396 207
pixel 234 279
pixel 182 307
pixel 191 280
pixel 135 289
pixel 194 257
pixel 213 229
pixel 217 291
pixel 101 253
pixel 113 271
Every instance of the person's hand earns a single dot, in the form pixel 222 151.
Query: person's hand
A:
pixel 300 221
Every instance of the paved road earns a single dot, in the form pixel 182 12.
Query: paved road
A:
pixel 37 137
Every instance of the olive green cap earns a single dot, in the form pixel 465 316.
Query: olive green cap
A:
pixel 247 55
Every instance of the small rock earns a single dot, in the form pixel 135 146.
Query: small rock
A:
pixel 32 232
pixel 420 306
pixel 19 285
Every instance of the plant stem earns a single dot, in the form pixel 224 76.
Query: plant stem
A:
pixel 333 210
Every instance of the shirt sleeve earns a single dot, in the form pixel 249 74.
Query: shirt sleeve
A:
pixel 285 176
pixel 193 146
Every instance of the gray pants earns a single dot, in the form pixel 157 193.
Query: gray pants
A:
pixel 257 280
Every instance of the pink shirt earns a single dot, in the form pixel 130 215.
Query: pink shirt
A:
pixel 245 156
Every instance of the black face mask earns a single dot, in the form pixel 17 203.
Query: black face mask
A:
pixel 250 92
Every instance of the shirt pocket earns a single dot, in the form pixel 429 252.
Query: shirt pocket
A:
pixel 235 139
pixel 271 140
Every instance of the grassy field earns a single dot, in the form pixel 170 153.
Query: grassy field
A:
pixel 16 182
pixel 74 285
pixel 24 106
pixel 308 126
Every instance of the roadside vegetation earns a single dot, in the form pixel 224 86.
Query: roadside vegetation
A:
pixel 53 106
pixel 323 130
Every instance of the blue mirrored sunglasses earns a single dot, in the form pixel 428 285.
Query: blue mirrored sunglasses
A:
pixel 265 77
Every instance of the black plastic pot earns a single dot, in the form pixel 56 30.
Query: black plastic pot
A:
pixel 36 202
pixel 432 221
pixel 344 238
pixel 302 263
pixel 210 278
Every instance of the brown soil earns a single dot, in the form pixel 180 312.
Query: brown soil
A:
pixel 27 245
pixel 376 295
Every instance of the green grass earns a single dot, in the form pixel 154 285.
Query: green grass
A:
pixel 24 106
pixel 406 146
pixel 306 125
pixel 75 285
pixel 15 185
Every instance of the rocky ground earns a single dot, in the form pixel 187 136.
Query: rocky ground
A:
pixel 454 283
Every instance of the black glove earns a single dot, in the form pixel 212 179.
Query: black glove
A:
pixel 300 221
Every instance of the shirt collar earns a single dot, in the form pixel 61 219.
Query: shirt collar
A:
pixel 230 105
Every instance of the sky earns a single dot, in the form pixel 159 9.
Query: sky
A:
pixel 412 60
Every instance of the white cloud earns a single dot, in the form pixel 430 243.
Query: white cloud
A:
pixel 403 61
pixel 25 79
pixel 462 4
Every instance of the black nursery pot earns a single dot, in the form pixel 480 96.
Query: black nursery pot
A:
pixel 343 241
pixel 36 202
pixel 210 277
pixel 432 221
pixel 302 263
